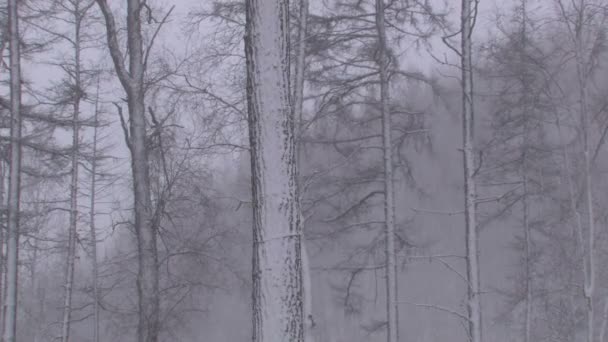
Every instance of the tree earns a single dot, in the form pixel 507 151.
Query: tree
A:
pixel 470 194
pixel 92 226
pixel 586 41
pixel 146 227
pixel 14 191
pixel 517 147
pixel 298 97
pixel 277 263
pixel 77 90
pixel 389 201
pixel 363 132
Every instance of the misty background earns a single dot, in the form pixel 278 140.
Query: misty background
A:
pixel 198 143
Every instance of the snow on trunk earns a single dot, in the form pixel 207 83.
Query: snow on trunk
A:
pixel 93 231
pixel 147 275
pixel 589 281
pixel 14 190
pixel 389 201
pixel 470 194
pixel 71 252
pixel 524 173
pixel 298 97
pixel 3 175
pixel 277 264
pixel 309 322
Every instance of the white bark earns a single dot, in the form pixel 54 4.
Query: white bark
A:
pixel 72 229
pixel 527 249
pixel 38 316
pixel 472 252
pixel 298 96
pixel 93 231
pixel 2 243
pixel 524 174
pixel 300 63
pixel 589 281
pixel 277 264
pixel 145 227
pixel 309 322
pixel 389 202
pixel 14 191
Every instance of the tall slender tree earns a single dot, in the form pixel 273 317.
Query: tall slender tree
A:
pixel 524 176
pixel 14 191
pixel 389 189
pixel 78 12
pixel 470 193
pixel 131 77
pixel 277 263
pixel 298 108
pixel 92 215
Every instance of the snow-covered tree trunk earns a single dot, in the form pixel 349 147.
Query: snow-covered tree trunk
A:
pixel 309 321
pixel 132 81
pixel 93 229
pixel 527 249
pixel 470 194
pixel 298 97
pixel 277 263
pixel 38 316
pixel 72 229
pixel 14 190
pixel 524 174
pixel 589 281
pixel 298 92
pixel 3 175
pixel 389 201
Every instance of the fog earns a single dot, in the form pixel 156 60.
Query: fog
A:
pixel 210 171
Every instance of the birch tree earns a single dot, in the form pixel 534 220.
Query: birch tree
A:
pixel 92 226
pixel 389 202
pixel 14 191
pixel 277 263
pixel 470 194
pixel 298 97
pixel 78 13
pixel 525 183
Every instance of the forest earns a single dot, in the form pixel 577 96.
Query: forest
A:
pixel 303 171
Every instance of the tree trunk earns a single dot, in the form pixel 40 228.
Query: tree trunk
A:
pixel 147 277
pixel 14 191
pixel 389 202
pixel 298 96
pixel 527 252
pixel 277 263
pixel 37 318
pixel 2 243
pixel 145 229
pixel 524 173
pixel 589 281
pixel 71 255
pixel 95 265
pixel 470 194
